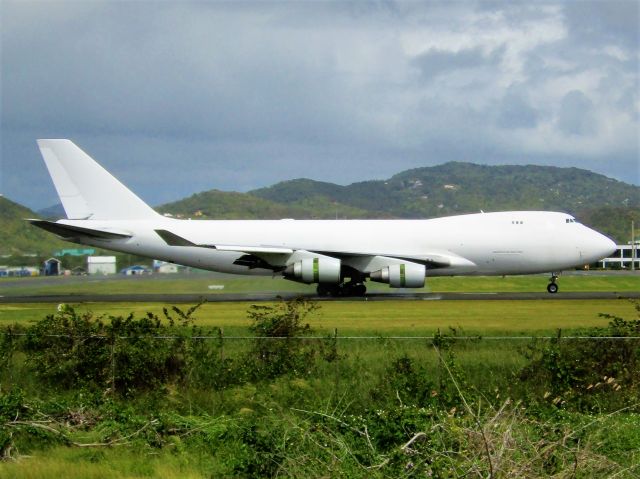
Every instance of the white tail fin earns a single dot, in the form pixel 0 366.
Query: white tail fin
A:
pixel 86 189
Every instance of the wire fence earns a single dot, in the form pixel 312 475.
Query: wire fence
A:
pixel 332 336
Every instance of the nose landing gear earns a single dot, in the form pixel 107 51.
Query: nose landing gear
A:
pixel 552 287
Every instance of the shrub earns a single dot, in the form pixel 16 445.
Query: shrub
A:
pixel 580 372
pixel 279 348
pixel 124 354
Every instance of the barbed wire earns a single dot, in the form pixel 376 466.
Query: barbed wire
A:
pixel 330 337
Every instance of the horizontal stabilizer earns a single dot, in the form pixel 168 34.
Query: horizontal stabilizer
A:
pixel 68 231
pixel 173 239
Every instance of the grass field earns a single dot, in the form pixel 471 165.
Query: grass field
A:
pixel 386 318
pixel 349 417
pixel 200 283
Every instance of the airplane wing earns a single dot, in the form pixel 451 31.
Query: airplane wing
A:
pixel 272 257
pixel 173 239
pixel 68 231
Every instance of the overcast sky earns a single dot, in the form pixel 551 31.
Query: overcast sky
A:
pixel 179 97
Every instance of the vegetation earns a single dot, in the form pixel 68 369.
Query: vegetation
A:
pixel 447 189
pixel 452 188
pixel 157 395
pixel 455 188
pixel 199 282
pixel 17 237
pixel 378 318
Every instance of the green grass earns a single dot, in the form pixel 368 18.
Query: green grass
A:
pixel 103 463
pixel 199 284
pixel 263 422
pixel 387 318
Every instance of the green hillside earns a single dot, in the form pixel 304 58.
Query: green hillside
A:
pixel 452 188
pixel 17 237
pixel 217 204
pixel 455 188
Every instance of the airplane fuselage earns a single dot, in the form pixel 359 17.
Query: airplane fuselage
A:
pixel 504 243
pixel 103 212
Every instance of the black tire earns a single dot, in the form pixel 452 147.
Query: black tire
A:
pixel 359 290
pixel 552 288
pixel 322 290
pixel 334 290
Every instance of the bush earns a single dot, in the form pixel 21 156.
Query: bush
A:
pixel 70 350
pixel 582 372
pixel 278 349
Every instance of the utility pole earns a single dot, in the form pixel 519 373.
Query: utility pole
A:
pixel 634 249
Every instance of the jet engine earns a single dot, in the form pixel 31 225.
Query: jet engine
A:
pixel 403 275
pixel 314 270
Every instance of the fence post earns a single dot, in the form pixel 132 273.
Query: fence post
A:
pixel 113 366
pixel 336 360
pixel 221 335
pixel 221 339
pixel 9 352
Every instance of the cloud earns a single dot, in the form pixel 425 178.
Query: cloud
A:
pixel 577 114
pixel 515 110
pixel 436 62
pixel 198 95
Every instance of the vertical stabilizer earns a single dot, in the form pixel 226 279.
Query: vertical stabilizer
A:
pixel 86 189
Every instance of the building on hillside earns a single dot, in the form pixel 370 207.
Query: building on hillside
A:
pixel 101 265
pixel 52 267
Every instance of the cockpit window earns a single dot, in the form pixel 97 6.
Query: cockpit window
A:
pixel 570 220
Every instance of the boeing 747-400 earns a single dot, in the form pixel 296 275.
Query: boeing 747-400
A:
pixel 337 255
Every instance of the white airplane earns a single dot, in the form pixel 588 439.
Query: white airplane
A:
pixel 102 212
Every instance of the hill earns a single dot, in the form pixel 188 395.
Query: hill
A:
pixel 17 237
pixel 451 188
pixel 215 204
pixel 456 188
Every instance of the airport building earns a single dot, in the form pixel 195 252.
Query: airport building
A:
pixel 164 267
pixel 101 265
pixel 625 257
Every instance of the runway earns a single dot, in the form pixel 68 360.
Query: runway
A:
pixel 262 297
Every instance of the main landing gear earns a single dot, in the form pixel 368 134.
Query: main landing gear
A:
pixel 552 287
pixel 345 289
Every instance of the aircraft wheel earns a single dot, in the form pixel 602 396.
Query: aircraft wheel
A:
pixel 323 290
pixel 359 290
pixel 552 288
pixel 335 290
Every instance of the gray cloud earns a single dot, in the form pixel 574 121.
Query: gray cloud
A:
pixel 577 114
pixel 181 97
pixel 516 111
pixel 435 62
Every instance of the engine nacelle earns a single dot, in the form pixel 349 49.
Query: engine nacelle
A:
pixel 314 270
pixel 404 275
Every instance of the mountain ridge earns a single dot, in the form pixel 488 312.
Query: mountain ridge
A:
pixel 426 192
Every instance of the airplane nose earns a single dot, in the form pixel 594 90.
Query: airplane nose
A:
pixel 599 246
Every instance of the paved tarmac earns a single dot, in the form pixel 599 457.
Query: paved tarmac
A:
pixel 258 297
